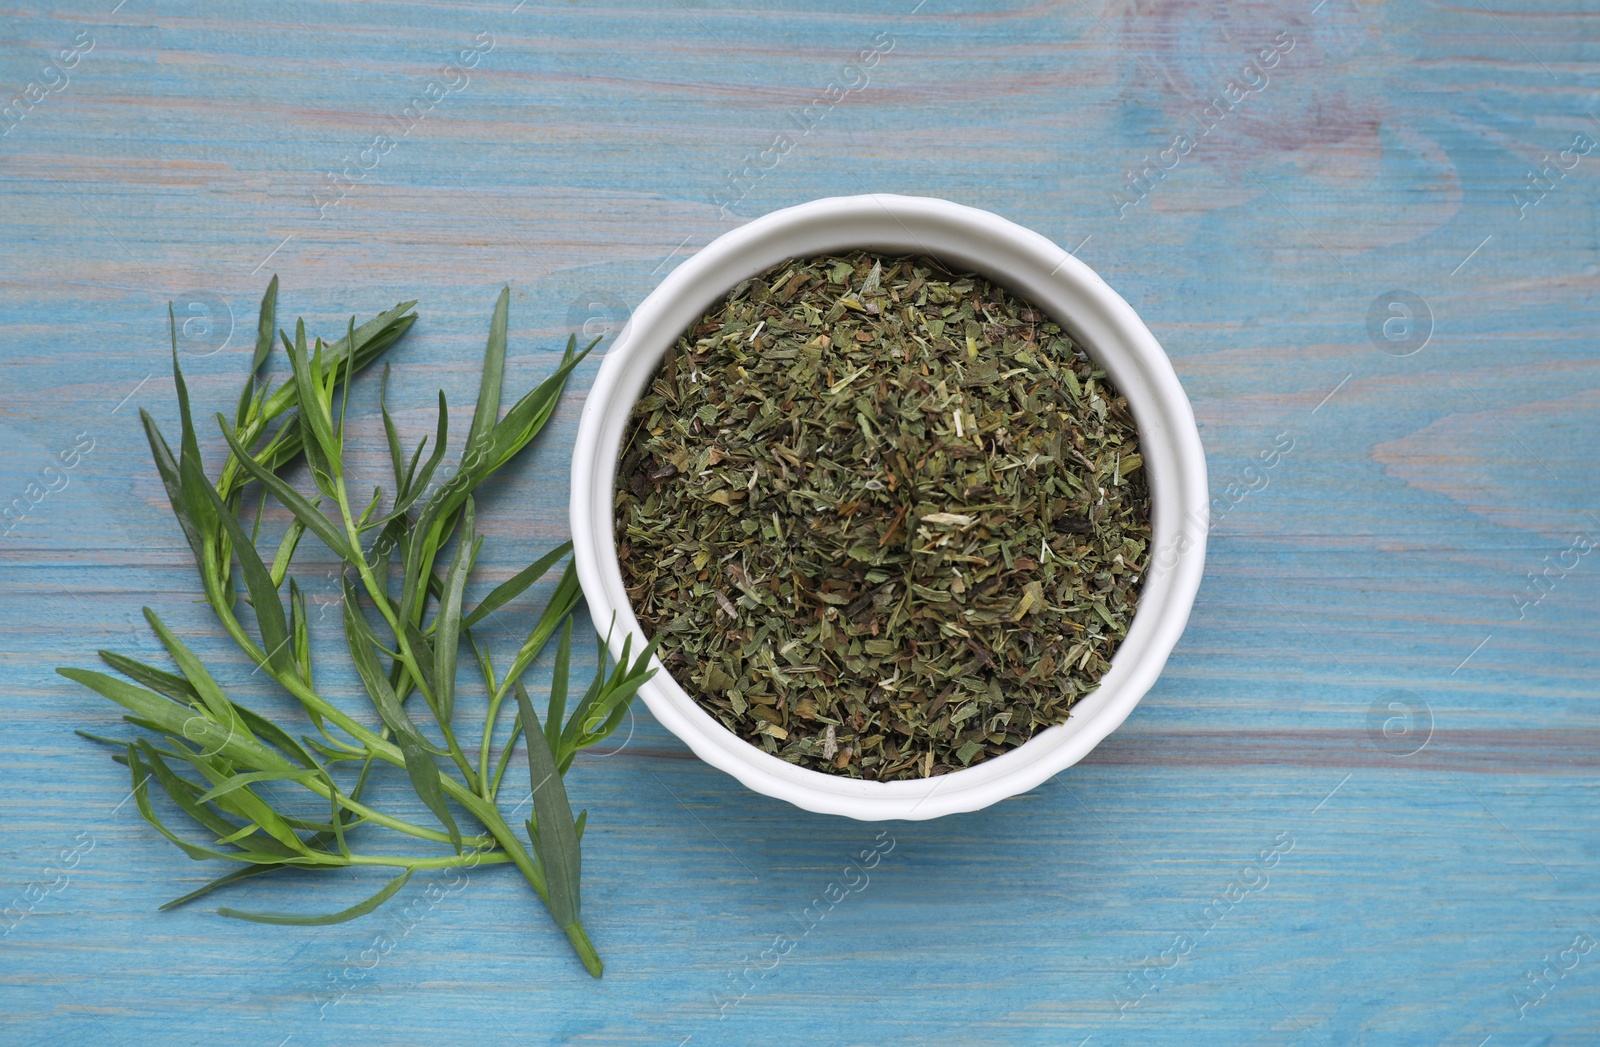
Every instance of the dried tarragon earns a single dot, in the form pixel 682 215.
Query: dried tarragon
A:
pixel 885 520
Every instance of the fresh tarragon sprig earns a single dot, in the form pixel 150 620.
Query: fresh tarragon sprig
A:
pixel 227 767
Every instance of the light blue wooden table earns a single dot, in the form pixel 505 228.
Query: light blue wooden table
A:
pixel 1359 807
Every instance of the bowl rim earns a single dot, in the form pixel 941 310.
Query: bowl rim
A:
pixel 1055 281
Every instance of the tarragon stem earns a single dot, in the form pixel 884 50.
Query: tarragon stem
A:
pixel 244 760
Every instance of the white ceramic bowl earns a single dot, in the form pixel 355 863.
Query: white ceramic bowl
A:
pixel 1036 269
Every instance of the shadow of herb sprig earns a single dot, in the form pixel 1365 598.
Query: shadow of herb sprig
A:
pixel 213 756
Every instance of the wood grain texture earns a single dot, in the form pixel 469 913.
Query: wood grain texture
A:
pixel 1387 558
